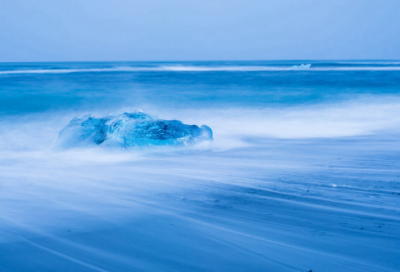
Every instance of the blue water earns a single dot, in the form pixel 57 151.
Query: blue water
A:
pixel 303 172
pixel 37 87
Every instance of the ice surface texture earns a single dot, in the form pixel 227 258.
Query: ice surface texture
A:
pixel 135 129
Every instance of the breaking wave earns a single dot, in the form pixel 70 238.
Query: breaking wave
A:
pixel 172 68
pixel 151 69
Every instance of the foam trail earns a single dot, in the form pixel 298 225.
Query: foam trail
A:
pixel 301 67
pixel 357 118
pixel 199 69
pixel 222 68
pixel 371 62
pixel 395 68
pixel 231 125
pixel 149 69
pixel 67 71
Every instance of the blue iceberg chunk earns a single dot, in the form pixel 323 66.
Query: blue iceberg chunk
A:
pixel 134 129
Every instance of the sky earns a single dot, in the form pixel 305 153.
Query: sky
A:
pixel 167 30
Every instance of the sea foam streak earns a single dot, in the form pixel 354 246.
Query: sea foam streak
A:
pixel 150 69
pixel 232 125
pixel 302 67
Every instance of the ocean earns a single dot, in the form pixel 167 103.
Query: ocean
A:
pixel 303 173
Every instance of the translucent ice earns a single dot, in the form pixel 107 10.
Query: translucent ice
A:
pixel 135 129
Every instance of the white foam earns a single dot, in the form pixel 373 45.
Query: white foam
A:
pixel 66 71
pixel 365 68
pixel 222 68
pixel 231 126
pixel 366 116
pixel 149 69
pixel 371 62
pixel 181 68
pixel 301 67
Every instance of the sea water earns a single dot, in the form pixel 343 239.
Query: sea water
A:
pixel 303 172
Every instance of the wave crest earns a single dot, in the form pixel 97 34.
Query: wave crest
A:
pixel 182 68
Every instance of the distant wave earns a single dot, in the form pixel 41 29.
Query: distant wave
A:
pixel 149 69
pixel 232 68
pixel 221 68
pixel 301 67
pixel 65 71
pixel 371 62
pixel 365 68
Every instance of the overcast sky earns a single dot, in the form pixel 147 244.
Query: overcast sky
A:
pixel 86 30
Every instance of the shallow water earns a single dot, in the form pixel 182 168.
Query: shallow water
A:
pixel 303 172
